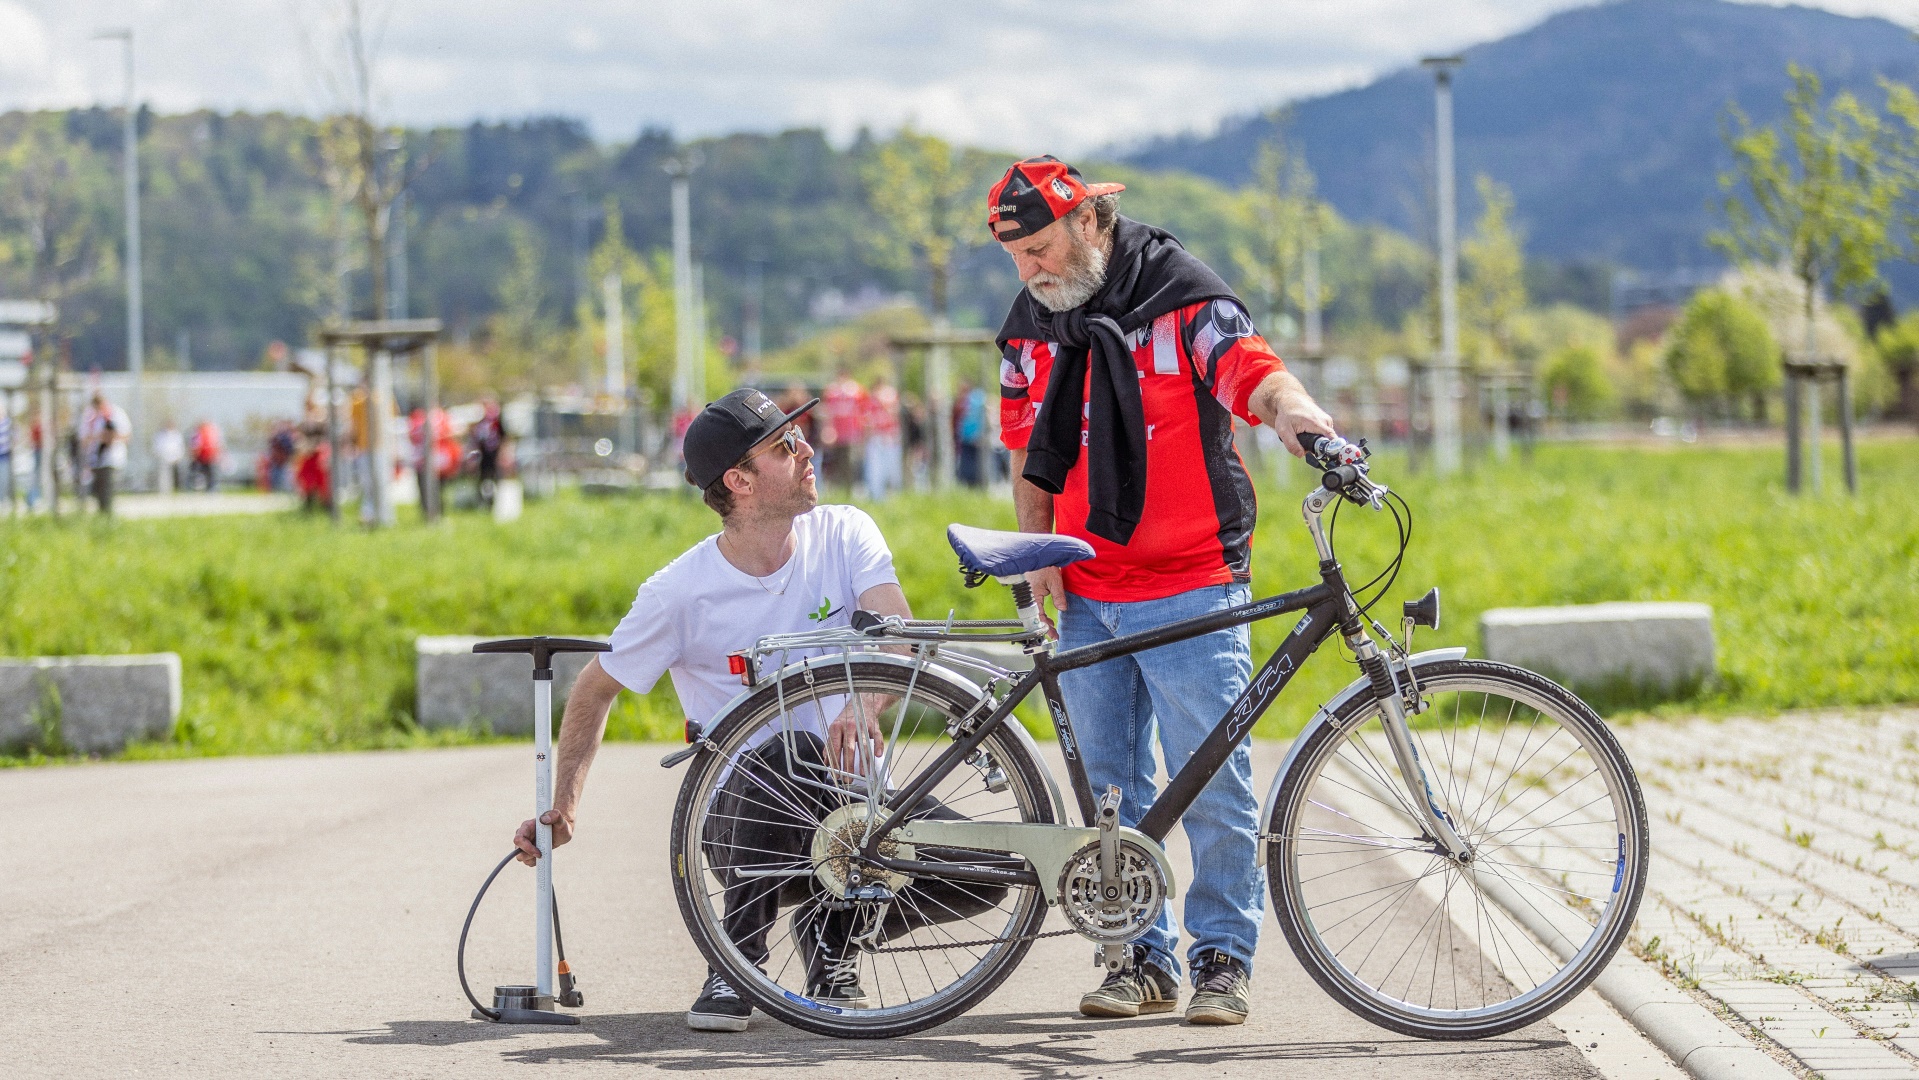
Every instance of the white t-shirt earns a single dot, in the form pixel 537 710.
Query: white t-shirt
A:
pixel 106 449
pixel 699 608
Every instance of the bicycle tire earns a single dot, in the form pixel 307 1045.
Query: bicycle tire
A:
pixel 776 991
pixel 1336 811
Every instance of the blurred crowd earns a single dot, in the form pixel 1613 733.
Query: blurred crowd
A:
pixel 874 440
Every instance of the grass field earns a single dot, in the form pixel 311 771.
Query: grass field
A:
pixel 295 636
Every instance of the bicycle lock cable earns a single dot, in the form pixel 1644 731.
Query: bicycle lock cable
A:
pixel 567 989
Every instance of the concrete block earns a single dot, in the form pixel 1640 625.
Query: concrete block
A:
pixel 88 704
pixel 1663 646
pixel 457 687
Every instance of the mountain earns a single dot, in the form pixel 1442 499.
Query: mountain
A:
pixel 1605 121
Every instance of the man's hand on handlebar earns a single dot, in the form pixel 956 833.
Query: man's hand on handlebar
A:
pixel 1281 401
pixel 526 839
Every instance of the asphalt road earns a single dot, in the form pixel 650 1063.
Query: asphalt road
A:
pixel 297 916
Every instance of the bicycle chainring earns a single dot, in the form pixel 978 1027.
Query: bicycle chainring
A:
pixel 1141 894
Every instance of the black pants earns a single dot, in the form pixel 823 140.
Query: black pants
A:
pixel 763 817
pixel 489 475
pixel 103 477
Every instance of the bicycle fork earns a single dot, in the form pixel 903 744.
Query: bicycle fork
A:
pixel 1392 709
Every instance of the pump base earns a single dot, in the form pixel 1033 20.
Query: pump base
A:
pixel 524 1005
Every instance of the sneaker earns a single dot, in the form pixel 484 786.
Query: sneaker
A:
pixel 719 1007
pixel 832 962
pixel 1140 987
pixel 1220 989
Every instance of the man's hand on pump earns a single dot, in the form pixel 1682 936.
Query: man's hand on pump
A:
pixel 526 838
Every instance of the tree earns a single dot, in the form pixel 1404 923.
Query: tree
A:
pixel 1721 351
pixel 364 164
pixel 1494 291
pixel 1288 221
pixel 1575 382
pixel 1818 196
pixel 930 197
pixel 1898 345
pixel 57 219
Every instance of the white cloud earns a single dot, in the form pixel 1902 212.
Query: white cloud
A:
pixel 1061 75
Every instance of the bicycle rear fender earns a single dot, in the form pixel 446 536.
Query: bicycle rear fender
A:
pixel 927 671
pixel 1324 716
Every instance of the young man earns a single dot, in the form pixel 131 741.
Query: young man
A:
pixel 778 561
pixel 1125 360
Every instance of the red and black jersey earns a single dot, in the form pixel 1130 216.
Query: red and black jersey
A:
pixel 1198 366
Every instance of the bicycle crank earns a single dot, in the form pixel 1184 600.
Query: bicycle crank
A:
pixel 1125 905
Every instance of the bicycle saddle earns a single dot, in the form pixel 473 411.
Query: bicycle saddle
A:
pixel 1003 554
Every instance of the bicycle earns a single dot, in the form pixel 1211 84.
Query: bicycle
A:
pixel 1454 848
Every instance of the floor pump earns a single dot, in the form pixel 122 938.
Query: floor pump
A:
pixel 535 1004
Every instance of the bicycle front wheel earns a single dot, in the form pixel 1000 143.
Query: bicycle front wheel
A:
pixel 764 827
pixel 1413 941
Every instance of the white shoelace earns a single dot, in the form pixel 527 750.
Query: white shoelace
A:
pixel 718 987
pixel 843 970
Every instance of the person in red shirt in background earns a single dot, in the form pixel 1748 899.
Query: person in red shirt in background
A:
pixel 445 456
pixel 206 448
pixel 844 403
pixel 883 460
pixel 1124 361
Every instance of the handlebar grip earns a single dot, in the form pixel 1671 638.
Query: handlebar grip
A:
pixel 1309 441
pixel 1340 478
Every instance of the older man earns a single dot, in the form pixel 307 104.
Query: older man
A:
pixel 1125 360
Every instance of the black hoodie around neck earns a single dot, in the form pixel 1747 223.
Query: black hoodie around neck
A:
pixel 1148 274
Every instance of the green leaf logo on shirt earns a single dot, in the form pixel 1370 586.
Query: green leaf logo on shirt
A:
pixel 826 611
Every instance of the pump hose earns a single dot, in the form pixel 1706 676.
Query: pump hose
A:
pixel 559 943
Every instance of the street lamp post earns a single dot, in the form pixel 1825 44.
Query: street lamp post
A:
pixel 1446 456
pixel 130 170
pixel 686 335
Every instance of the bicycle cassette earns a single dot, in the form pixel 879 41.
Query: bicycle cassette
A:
pixel 839 838
pixel 1128 910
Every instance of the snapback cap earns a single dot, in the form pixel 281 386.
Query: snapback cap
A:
pixel 727 429
pixel 1036 192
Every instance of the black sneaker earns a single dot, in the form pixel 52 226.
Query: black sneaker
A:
pixel 832 961
pixel 1140 987
pixel 1220 989
pixel 719 1007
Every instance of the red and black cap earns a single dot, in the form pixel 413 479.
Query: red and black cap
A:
pixel 1035 193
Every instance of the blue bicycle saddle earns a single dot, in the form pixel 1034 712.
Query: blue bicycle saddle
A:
pixel 1003 554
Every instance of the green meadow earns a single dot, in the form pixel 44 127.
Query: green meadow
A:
pixel 296 636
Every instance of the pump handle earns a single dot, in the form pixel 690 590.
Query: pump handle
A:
pixel 542 649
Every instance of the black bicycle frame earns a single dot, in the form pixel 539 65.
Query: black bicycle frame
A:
pixel 1328 609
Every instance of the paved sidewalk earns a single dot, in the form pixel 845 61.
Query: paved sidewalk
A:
pixel 296 916
pixel 1785 879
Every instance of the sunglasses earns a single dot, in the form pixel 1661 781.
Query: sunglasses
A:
pixel 790 439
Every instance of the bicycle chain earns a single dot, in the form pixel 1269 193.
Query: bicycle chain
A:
pixel 975 944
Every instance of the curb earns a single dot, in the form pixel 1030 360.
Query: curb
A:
pixel 1703 1045
pixel 1699 1042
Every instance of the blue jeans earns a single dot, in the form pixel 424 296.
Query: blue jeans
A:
pixel 1181 691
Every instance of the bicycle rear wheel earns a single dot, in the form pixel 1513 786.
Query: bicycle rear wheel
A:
pixel 1411 940
pixel 757 818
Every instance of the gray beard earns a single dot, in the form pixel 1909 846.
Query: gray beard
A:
pixel 1085 273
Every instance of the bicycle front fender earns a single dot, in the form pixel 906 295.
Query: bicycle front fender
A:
pixel 1361 685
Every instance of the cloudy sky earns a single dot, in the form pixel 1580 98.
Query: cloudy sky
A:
pixel 1064 75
